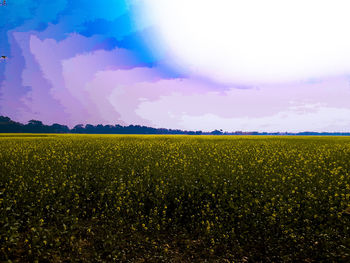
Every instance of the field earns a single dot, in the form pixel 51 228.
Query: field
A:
pixel 109 198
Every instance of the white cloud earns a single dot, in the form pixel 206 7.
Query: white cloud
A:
pixel 319 106
pixel 295 119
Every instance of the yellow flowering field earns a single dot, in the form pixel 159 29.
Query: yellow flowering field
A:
pixel 132 198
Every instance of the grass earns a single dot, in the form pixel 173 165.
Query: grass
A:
pixel 174 198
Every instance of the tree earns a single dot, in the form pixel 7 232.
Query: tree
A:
pixel 58 128
pixel 4 119
pixel 35 123
pixel 216 132
pixel 78 128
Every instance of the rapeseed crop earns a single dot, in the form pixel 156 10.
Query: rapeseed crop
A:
pixel 174 198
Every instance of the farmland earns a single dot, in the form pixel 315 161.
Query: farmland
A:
pixel 174 198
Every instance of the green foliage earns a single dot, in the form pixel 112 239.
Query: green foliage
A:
pixel 174 198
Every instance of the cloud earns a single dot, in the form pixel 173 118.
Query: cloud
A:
pixel 319 119
pixel 69 72
pixel 56 48
pixel 292 107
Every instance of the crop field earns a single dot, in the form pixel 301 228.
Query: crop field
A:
pixel 111 198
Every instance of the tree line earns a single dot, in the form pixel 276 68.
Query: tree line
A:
pixel 34 126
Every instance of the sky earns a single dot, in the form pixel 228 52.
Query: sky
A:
pixel 236 65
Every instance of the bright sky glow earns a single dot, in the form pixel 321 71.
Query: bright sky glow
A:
pixel 254 41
